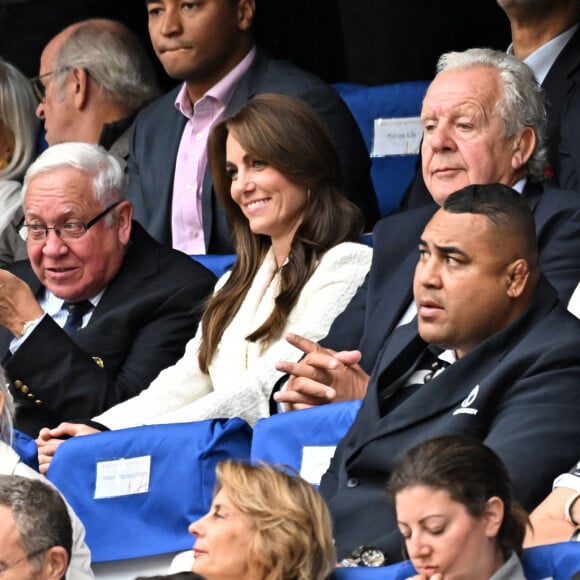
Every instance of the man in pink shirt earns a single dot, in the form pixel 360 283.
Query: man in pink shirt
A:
pixel 210 46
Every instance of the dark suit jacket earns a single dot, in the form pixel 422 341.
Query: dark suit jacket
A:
pixel 563 105
pixel 562 135
pixel 379 303
pixel 569 172
pixel 141 325
pixel 517 392
pixel 158 130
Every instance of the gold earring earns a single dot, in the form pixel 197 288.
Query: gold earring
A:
pixel 3 164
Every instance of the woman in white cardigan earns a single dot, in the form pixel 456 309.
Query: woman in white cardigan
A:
pixel 299 263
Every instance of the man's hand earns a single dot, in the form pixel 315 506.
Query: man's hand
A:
pixel 17 303
pixel 322 376
pixel 48 441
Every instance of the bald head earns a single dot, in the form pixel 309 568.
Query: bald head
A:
pixel 93 72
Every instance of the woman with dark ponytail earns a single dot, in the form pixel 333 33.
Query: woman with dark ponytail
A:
pixel 456 511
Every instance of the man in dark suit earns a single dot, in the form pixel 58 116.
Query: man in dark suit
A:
pixel 210 46
pixel 100 308
pixel 545 35
pixel 492 354
pixel 468 139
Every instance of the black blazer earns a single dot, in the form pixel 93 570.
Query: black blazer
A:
pixel 517 392
pixel 379 303
pixel 140 326
pixel 158 129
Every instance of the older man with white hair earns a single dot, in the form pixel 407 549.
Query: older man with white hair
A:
pixel 100 308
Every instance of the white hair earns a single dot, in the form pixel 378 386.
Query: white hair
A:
pixel 105 170
pixel 523 103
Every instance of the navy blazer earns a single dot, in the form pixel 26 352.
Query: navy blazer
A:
pixel 141 325
pixel 379 303
pixel 563 104
pixel 517 392
pixel 157 134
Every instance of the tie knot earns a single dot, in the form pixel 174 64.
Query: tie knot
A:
pixel 76 311
pixel 77 308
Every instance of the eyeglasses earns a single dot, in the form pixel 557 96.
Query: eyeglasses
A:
pixel 38 86
pixel 66 231
pixel 5 567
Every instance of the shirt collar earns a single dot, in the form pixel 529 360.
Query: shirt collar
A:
pixel 222 91
pixel 53 304
pixel 519 185
pixel 542 59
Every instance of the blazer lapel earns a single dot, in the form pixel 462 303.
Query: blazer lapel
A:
pixel 443 393
pixel 141 261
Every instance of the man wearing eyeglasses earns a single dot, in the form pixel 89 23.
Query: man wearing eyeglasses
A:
pixel 100 308
pixel 94 76
pixel 35 530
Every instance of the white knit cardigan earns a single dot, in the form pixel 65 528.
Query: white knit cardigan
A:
pixel 241 373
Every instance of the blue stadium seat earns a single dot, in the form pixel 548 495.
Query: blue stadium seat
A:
pixel 303 440
pixel 553 562
pixel 137 490
pixel 388 117
pixel 557 561
pixel 217 263
pixel 399 571
pixel 25 446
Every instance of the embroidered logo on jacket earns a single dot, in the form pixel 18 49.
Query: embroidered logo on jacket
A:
pixel 466 407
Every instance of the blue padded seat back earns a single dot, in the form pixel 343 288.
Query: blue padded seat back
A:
pixel 282 438
pixel 391 173
pixel 217 263
pixel 557 561
pixel 399 571
pixel 25 446
pixel 153 519
pixel 553 562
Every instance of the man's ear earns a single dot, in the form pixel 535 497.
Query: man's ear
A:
pixel 124 216
pixel 518 274
pixel 246 12
pixel 81 80
pixel 493 516
pixel 55 563
pixel 524 146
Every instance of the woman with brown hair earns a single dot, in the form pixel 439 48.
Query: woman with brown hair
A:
pixel 298 265
pixel 456 511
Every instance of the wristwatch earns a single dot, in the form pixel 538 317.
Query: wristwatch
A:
pixel 366 556
pixel 27 324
